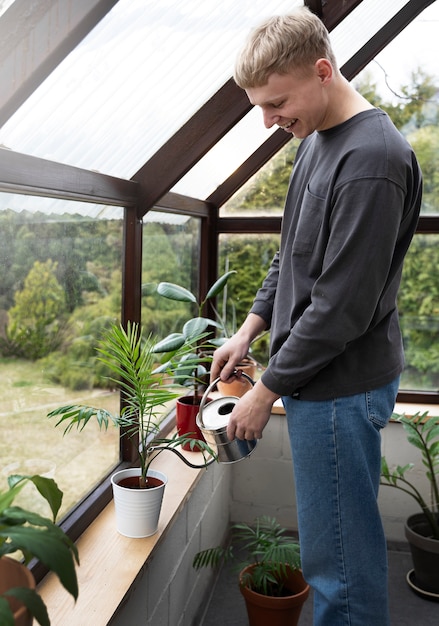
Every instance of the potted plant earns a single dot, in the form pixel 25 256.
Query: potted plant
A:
pixel 193 365
pixel 270 578
pixel 422 528
pixel 34 536
pixel 130 357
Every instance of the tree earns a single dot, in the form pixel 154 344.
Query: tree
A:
pixel 37 318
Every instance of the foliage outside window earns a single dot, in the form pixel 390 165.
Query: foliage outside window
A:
pixel 60 287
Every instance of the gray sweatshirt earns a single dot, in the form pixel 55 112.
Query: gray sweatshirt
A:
pixel 330 294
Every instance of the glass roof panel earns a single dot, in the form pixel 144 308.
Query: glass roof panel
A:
pixel 134 81
pixel 225 157
pixel 360 25
pixel 245 137
pixel 4 5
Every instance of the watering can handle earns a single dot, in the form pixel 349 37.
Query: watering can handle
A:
pixel 213 384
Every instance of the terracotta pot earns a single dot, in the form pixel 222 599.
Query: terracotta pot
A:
pixel 15 574
pixel 283 611
pixel 425 554
pixel 239 386
pixel 187 409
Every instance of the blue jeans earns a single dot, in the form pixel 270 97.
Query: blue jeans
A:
pixel 336 447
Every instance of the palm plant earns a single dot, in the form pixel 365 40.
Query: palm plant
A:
pixel 131 358
pixel 423 433
pixel 36 537
pixel 266 546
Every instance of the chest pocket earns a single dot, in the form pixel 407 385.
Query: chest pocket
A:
pixel 308 224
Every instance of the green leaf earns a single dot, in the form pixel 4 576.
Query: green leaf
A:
pixel 195 327
pixel 172 342
pixel 219 284
pixel 175 292
pixel 7 498
pixel 6 615
pixel 50 545
pixel 31 599
pixel 50 491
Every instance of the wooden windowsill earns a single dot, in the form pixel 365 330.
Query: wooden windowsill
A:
pixel 109 561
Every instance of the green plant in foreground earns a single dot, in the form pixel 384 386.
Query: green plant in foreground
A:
pixel 266 545
pixel 422 432
pixel 36 537
pixel 131 358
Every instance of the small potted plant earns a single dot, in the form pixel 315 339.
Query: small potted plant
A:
pixel 270 578
pixel 192 367
pixel 130 357
pixel 34 536
pixel 422 528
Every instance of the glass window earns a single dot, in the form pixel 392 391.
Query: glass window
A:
pixel 419 314
pixel 60 286
pixel 250 256
pixel 171 250
pixel 264 193
pixel 404 80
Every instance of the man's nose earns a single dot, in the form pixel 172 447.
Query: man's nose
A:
pixel 270 119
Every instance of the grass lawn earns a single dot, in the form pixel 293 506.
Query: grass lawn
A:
pixel 30 443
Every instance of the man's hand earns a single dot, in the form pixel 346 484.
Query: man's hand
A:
pixel 227 357
pixel 251 413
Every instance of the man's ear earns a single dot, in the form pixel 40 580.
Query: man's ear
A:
pixel 324 70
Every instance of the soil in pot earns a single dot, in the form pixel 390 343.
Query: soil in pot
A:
pixel 132 482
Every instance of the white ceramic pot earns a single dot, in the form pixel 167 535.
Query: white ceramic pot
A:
pixel 137 510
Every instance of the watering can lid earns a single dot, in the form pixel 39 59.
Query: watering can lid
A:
pixel 216 414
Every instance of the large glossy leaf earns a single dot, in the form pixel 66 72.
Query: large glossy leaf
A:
pixel 172 342
pixel 50 546
pixel 219 284
pixel 6 615
pixel 175 292
pixel 195 327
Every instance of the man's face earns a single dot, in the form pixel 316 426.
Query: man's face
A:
pixel 296 102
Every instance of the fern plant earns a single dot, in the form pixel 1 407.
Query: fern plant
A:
pixel 423 433
pixel 267 547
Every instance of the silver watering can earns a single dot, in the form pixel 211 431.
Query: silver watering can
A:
pixel 212 420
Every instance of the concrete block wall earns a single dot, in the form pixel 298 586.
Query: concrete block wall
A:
pixel 263 484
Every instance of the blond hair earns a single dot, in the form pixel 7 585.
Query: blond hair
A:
pixel 281 44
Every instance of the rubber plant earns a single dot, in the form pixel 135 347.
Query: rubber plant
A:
pixel 191 366
pixel 131 358
pixel 38 537
pixel 423 433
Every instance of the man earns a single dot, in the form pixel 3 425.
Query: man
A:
pixel 329 299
